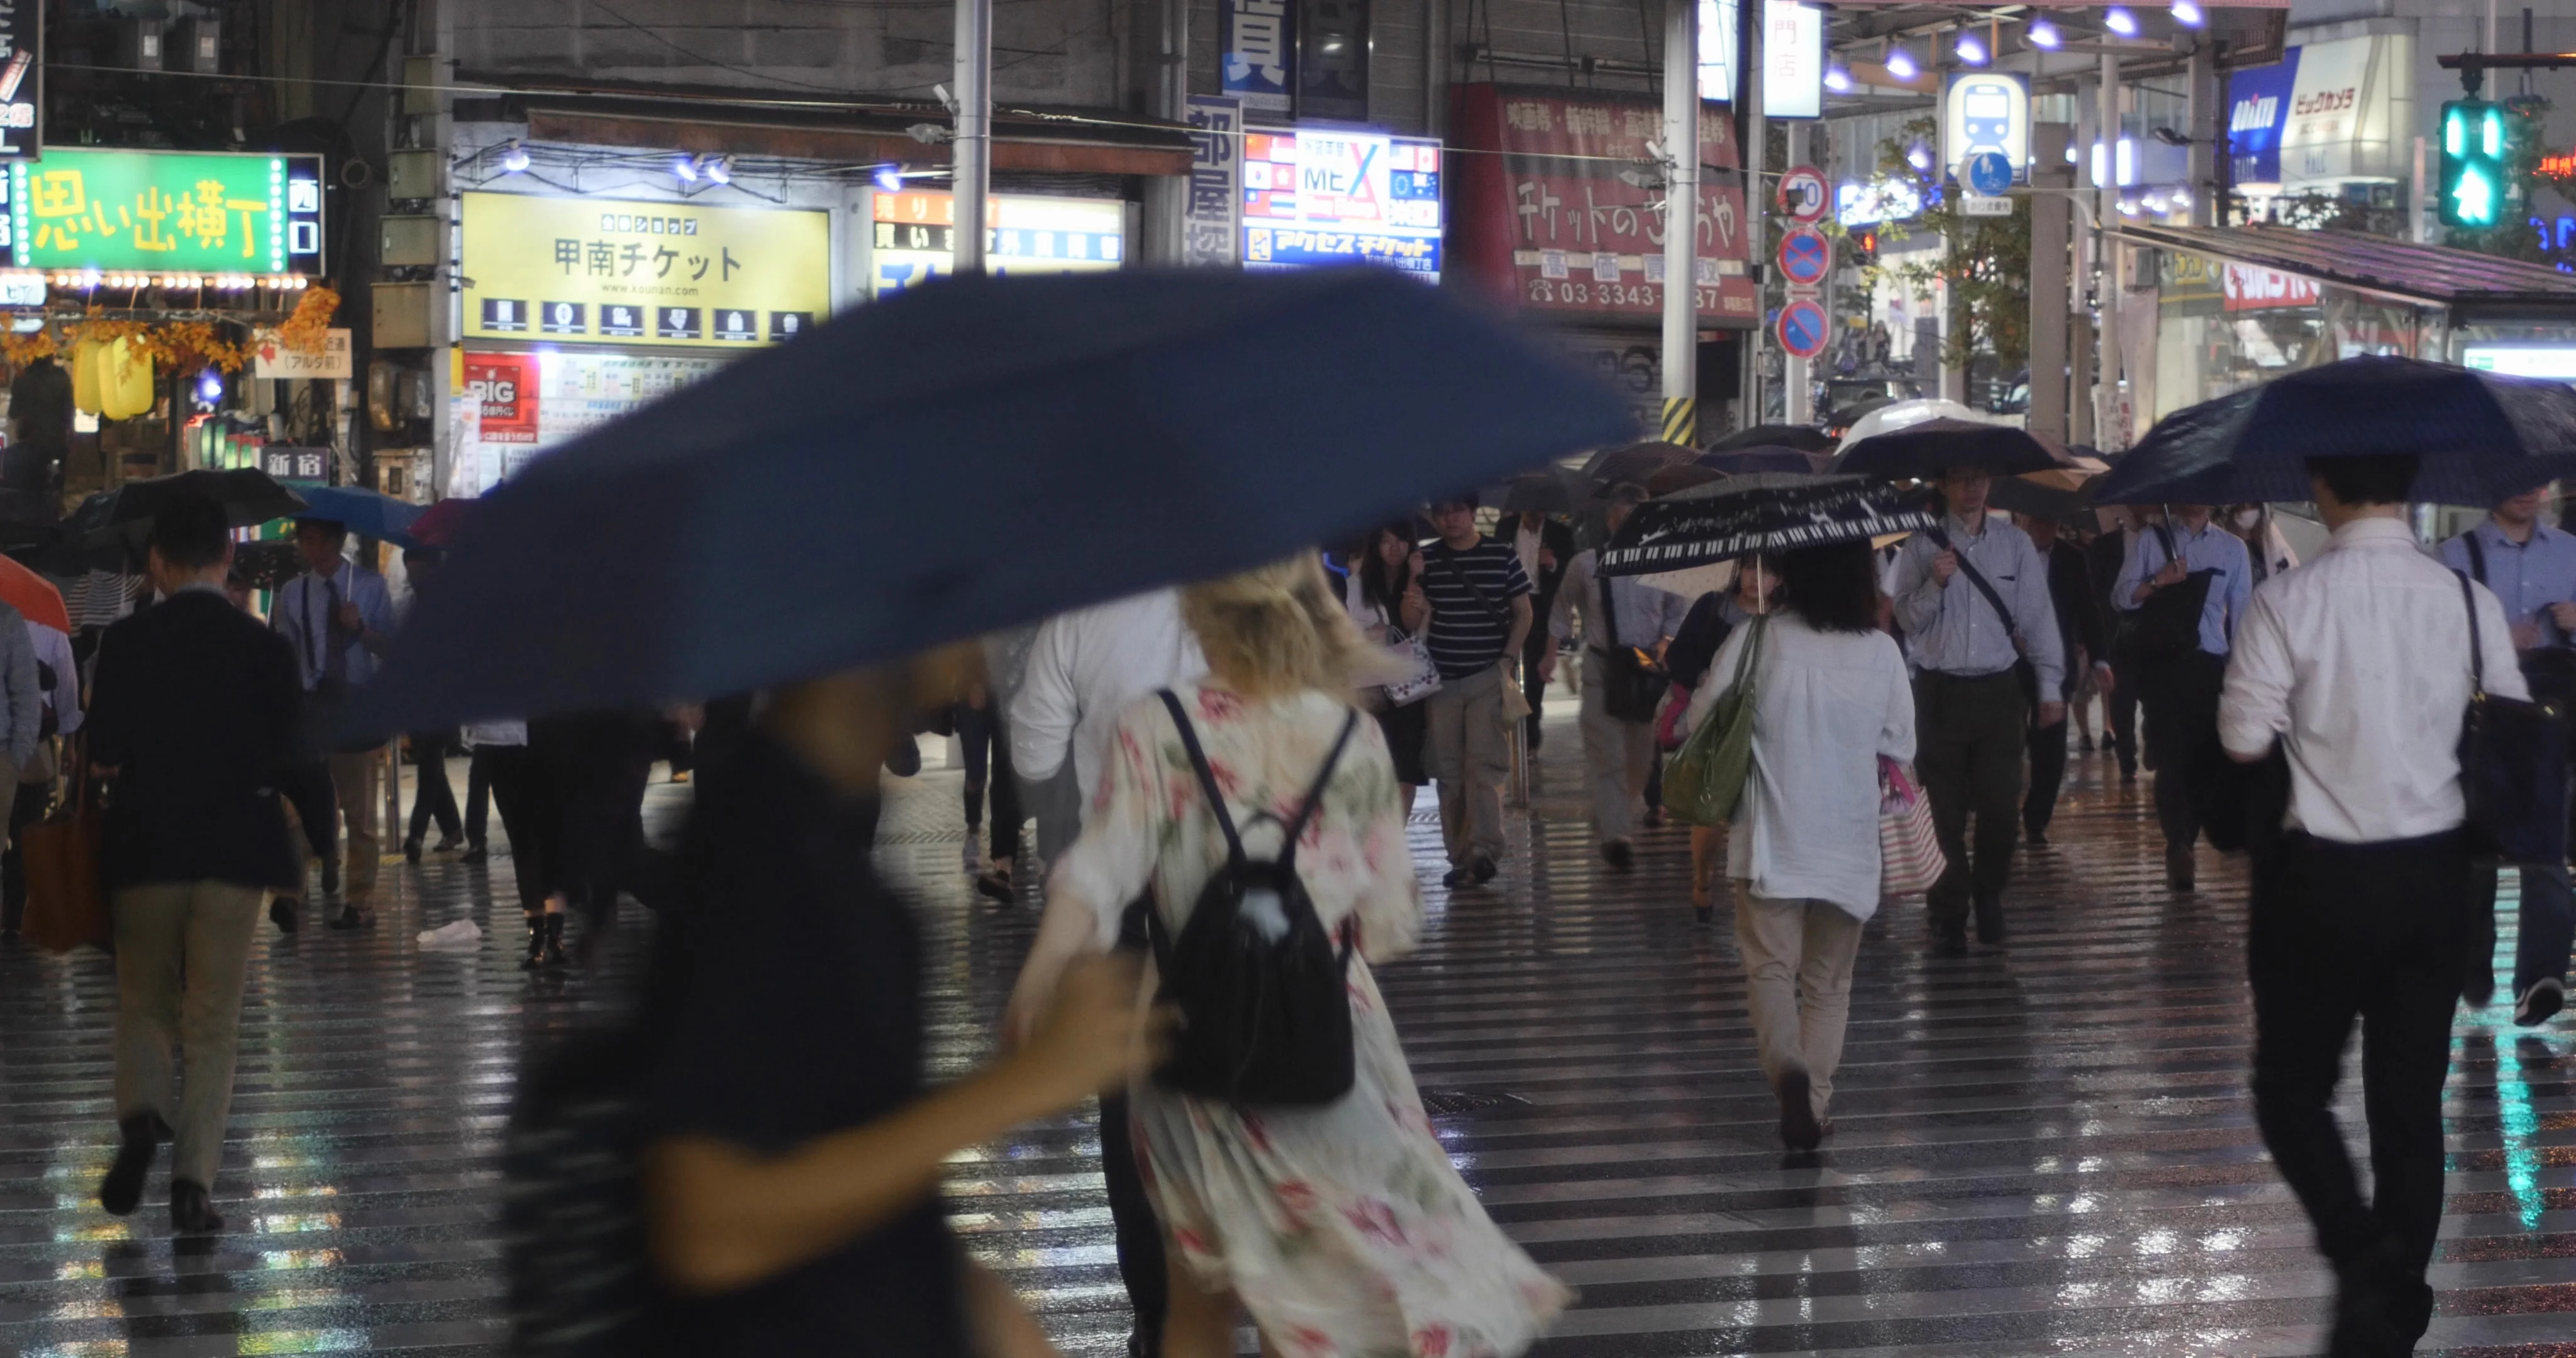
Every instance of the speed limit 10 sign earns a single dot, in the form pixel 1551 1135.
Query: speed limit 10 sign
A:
pixel 1803 194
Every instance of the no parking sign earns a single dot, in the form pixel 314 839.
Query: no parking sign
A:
pixel 1805 256
pixel 1802 328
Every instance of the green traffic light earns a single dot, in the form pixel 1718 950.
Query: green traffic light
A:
pixel 2474 179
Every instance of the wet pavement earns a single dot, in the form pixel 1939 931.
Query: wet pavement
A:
pixel 2047 1150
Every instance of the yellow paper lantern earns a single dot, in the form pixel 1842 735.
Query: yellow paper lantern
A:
pixel 125 381
pixel 85 361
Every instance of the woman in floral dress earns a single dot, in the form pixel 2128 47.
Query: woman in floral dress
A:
pixel 1342 1229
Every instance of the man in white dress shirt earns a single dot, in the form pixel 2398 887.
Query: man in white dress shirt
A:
pixel 2358 666
pixel 339 618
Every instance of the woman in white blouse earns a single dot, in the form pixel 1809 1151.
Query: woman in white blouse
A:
pixel 1831 699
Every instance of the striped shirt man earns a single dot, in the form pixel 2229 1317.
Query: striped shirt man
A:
pixel 1471 595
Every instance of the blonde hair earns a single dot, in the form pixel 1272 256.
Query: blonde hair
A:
pixel 1274 629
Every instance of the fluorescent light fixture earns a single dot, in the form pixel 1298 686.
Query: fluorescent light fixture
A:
pixel 718 169
pixel 2128 161
pixel 2187 14
pixel 2128 207
pixel 514 157
pixel 2120 21
pixel 2182 198
pixel 1900 63
pixel 1837 79
pixel 2043 34
pixel 685 169
pixel 1971 48
pixel 889 178
pixel 1919 156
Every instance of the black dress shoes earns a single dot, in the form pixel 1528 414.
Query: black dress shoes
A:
pixel 123 1186
pixel 192 1209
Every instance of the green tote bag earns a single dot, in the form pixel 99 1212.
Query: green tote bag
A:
pixel 1705 780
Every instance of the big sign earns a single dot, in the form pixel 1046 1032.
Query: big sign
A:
pixel 605 271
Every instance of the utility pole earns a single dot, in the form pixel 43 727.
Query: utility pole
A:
pixel 971 155
pixel 1798 399
pixel 2111 429
pixel 1681 221
pixel 1757 198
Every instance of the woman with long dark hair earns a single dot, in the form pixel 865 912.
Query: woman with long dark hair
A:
pixel 1375 598
pixel 1831 699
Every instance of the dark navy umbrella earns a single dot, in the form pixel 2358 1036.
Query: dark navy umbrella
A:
pixel 1805 438
pixel 2481 437
pixel 1748 460
pixel 967 456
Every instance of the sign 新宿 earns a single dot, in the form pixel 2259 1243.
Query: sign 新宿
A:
pixel 598 270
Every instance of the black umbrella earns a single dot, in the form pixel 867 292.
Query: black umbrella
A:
pixel 1630 464
pixel 2481 437
pixel 1804 438
pixel 1764 512
pixel 1921 452
pixel 969 455
pixel 247 494
pixel 1747 460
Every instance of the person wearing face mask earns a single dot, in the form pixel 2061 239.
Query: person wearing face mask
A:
pixel 2265 548
pixel 2531 567
pixel 2180 690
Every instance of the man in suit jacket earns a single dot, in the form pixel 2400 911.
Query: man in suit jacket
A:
pixel 194 713
pixel 1545 547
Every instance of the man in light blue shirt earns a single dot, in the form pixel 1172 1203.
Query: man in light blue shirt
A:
pixel 2180 690
pixel 1972 597
pixel 2531 569
pixel 339 620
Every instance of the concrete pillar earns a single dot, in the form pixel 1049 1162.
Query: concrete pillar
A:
pixel 2049 244
pixel 1799 374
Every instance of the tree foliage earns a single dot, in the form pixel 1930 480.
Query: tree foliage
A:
pixel 1985 261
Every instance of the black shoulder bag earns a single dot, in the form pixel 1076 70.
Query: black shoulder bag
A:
pixel 1631 689
pixel 2168 623
pixel 1260 983
pixel 2024 674
pixel 2513 767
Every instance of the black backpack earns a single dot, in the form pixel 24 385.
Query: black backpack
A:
pixel 1260 983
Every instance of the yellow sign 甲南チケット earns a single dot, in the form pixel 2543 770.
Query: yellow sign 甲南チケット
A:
pixel 605 271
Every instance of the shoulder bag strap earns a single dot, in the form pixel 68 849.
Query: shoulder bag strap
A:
pixel 1315 795
pixel 1609 644
pixel 2477 648
pixel 1978 578
pixel 2477 555
pixel 1449 559
pixel 1207 777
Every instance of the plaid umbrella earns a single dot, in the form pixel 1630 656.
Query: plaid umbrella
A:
pixel 1764 512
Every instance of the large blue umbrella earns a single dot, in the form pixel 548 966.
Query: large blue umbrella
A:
pixel 2481 437
pixel 967 456
pixel 364 512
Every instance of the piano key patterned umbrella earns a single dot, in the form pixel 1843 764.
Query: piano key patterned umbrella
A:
pixel 1764 512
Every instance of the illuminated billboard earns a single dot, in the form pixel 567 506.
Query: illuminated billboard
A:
pixel 1326 196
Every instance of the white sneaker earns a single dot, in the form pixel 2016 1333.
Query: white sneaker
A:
pixel 973 857
pixel 2540 1003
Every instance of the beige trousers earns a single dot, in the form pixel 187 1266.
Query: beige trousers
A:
pixel 1470 755
pixel 181 951
pixel 1617 755
pixel 358 786
pixel 1798 958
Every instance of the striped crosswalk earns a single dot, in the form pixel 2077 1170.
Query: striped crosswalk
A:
pixel 2047 1150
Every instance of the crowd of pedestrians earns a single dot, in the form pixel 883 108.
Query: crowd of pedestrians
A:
pixel 1243 754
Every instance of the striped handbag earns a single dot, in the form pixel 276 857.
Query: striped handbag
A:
pixel 1909 853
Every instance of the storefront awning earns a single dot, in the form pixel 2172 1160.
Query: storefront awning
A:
pixel 2430 274
pixel 834 131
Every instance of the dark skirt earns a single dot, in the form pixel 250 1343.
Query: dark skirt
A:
pixel 1406 729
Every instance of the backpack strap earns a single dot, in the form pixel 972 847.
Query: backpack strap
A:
pixel 1315 794
pixel 2477 554
pixel 1207 777
pixel 2477 649
pixel 1941 539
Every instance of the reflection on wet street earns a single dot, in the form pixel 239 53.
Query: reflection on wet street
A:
pixel 2043 1151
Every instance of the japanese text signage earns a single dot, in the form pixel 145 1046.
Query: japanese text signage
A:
pixel 604 271
pixel 913 236
pixel 1793 60
pixel 1216 180
pixel 22 79
pixel 1554 223
pixel 166 211
pixel 1260 36
pixel 1324 196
